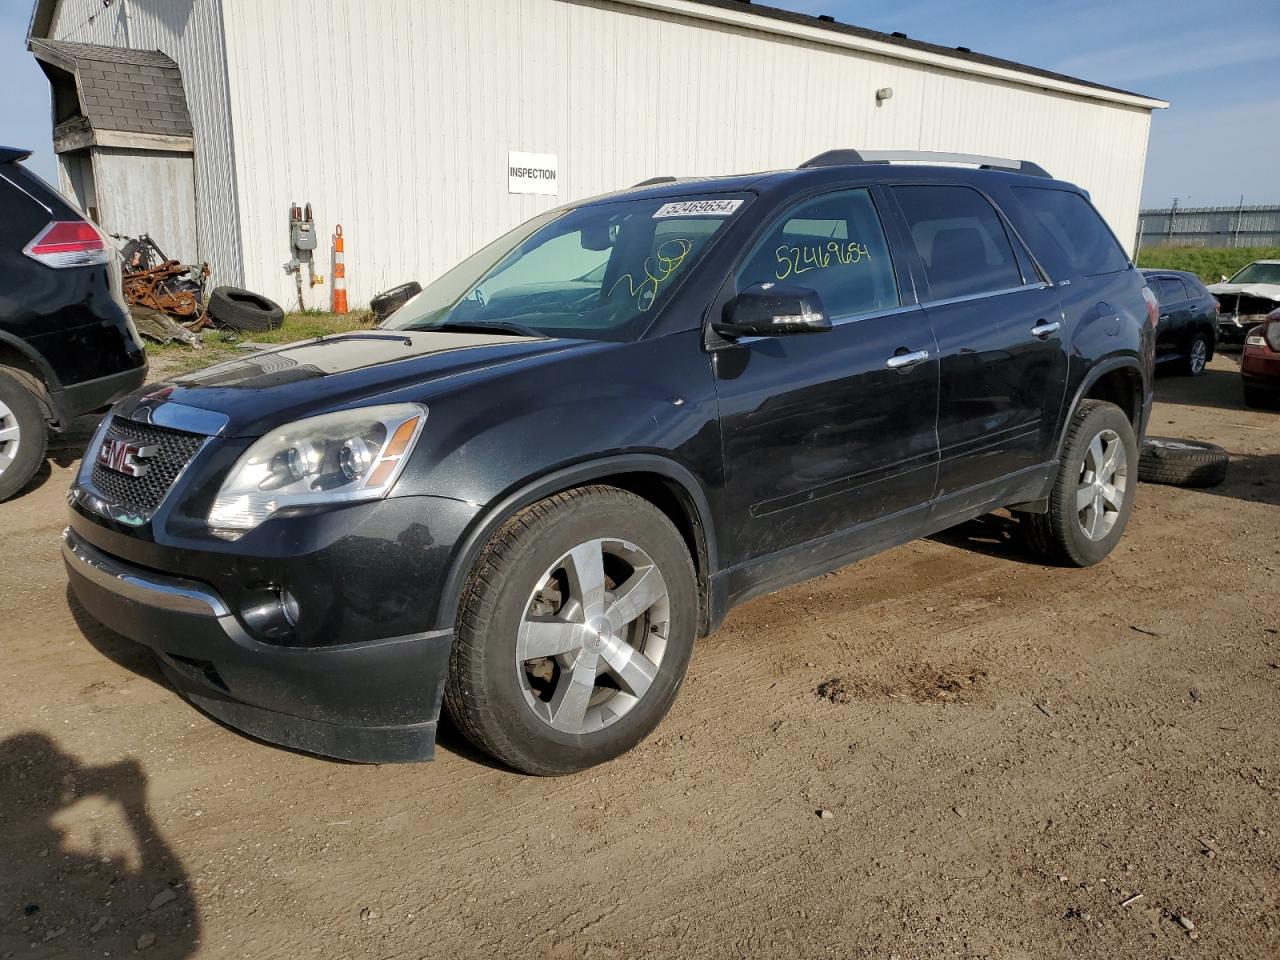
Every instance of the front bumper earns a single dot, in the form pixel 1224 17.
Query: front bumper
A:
pixel 1234 327
pixel 375 701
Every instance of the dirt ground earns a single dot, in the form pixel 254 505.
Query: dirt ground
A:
pixel 1019 762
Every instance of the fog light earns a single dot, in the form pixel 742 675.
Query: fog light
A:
pixel 271 612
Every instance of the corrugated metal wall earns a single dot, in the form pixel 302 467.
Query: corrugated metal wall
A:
pixel 395 119
pixel 191 32
pixel 1239 226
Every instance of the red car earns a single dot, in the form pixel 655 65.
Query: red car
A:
pixel 1260 365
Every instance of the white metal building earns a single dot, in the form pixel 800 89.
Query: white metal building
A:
pixel 402 119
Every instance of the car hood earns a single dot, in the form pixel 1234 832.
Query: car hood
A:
pixel 1267 291
pixel 252 394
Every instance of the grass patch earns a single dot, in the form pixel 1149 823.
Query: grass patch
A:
pixel 223 344
pixel 1209 263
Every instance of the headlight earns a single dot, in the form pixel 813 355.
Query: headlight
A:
pixel 336 458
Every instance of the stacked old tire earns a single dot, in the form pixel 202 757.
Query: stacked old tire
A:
pixel 244 310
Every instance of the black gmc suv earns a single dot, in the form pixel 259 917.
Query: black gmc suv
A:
pixel 530 490
pixel 67 345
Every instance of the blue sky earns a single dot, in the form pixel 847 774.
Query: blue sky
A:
pixel 1218 64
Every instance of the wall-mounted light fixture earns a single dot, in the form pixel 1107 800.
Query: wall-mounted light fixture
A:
pixel 883 94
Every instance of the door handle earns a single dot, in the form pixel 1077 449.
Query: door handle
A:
pixel 904 361
pixel 1043 329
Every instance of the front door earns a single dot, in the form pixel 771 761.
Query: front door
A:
pixel 825 432
pixel 1003 363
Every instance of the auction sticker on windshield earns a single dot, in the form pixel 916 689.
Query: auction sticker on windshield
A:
pixel 697 208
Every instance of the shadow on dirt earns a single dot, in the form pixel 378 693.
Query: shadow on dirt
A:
pixel 86 872
pixel 995 535
pixel 1213 388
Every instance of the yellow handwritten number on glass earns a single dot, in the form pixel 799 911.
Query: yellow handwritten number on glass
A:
pixel 802 259
pixel 665 261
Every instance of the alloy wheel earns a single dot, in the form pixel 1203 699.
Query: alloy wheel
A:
pixel 1104 477
pixel 593 635
pixel 1199 356
pixel 10 436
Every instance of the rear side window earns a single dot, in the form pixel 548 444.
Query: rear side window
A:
pixel 834 245
pixel 961 240
pixel 1171 290
pixel 1070 219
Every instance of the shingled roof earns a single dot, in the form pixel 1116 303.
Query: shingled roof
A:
pixel 122 90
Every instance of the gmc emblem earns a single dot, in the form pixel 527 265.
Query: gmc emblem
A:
pixel 124 457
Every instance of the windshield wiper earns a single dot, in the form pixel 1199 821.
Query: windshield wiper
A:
pixel 486 326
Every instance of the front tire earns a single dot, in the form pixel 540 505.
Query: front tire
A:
pixel 574 632
pixel 23 435
pixel 1093 495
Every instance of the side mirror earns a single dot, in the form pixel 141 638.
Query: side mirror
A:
pixel 772 310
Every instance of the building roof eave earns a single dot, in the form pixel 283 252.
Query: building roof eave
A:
pixel 831 33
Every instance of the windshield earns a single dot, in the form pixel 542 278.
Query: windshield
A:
pixel 1258 273
pixel 598 272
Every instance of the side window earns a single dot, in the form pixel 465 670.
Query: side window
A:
pixel 961 240
pixel 833 244
pixel 1070 219
pixel 1171 290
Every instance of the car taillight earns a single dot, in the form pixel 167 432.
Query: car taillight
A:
pixel 1153 306
pixel 1217 304
pixel 68 243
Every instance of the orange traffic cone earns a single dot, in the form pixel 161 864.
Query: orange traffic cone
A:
pixel 339 273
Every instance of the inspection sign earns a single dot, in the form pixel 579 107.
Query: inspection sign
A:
pixel 532 173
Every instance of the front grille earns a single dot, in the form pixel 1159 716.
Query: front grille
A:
pixel 143 494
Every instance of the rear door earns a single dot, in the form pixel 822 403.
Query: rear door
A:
pixel 821 433
pixel 1104 310
pixel 1000 345
pixel 1173 332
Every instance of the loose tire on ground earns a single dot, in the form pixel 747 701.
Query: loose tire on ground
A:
pixel 1084 522
pixel 1182 463
pixel 493 690
pixel 244 310
pixel 23 433
pixel 389 301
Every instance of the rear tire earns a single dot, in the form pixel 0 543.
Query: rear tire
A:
pixel 1198 350
pixel 550 675
pixel 23 435
pixel 1092 497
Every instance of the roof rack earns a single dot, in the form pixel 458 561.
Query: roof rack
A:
pixel 653 180
pixel 13 154
pixel 838 158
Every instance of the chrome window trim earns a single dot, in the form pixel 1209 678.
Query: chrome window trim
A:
pixel 985 294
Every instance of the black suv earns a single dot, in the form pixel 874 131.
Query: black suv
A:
pixel 530 490
pixel 67 345
pixel 1187 332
